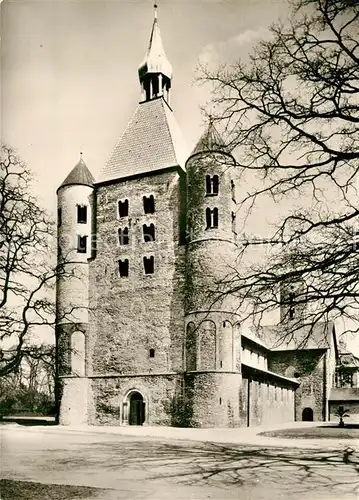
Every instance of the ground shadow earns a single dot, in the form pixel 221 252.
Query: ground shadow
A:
pixel 336 426
pixel 287 470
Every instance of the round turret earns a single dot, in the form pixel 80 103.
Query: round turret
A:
pixel 75 220
pixel 212 380
pixel 211 220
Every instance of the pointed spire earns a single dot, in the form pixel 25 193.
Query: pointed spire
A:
pixel 80 174
pixel 210 140
pixel 155 71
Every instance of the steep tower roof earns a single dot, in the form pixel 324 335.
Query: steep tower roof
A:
pixel 210 141
pixel 152 141
pixel 155 60
pixel 80 174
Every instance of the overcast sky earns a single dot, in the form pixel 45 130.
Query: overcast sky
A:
pixel 69 71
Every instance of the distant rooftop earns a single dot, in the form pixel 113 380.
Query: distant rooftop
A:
pixel 210 141
pixel 348 360
pixel 317 336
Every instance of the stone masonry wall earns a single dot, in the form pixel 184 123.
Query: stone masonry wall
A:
pixel 162 395
pixel 269 403
pixel 212 399
pixel 309 368
pixel 129 316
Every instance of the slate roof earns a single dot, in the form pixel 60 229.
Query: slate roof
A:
pixel 253 337
pixel 80 174
pixel 318 336
pixel 152 141
pixel 210 141
pixel 252 368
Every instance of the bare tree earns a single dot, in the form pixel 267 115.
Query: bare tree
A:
pixel 27 266
pixel 291 114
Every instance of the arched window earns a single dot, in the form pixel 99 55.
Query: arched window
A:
pixel 149 233
pixel 123 268
pixel 149 264
pixel 212 185
pixel 191 348
pixel 225 346
pixel 81 244
pixel 211 218
pixel 149 204
pixel 82 214
pixel 123 208
pixel 207 345
pixel 78 354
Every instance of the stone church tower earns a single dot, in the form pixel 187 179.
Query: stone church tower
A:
pixel 144 249
pixel 139 344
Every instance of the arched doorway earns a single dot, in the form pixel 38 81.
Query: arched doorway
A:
pixel 137 412
pixel 307 415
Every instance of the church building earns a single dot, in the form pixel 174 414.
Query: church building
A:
pixel 139 339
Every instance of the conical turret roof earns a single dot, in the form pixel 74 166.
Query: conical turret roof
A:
pixel 210 141
pixel 80 174
pixel 155 60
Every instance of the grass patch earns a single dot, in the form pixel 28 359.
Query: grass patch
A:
pixel 320 432
pixel 25 490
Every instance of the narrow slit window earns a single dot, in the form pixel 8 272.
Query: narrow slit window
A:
pixel 59 217
pixel 149 264
pixel 233 190
pixel 81 244
pixel 123 236
pixel 234 223
pixel 208 185
pixel 82 214
pixel 215 184
pixel 123 268
pixel 291 298
pixel 149 204
pixel 212 218
pixel 212 185
pixel 123 208
pixel 149 233
pixel 152 353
